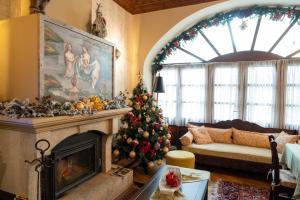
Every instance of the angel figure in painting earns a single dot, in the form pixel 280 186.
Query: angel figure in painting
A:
pixel 69 61
pixel 99 25
pixel 88 68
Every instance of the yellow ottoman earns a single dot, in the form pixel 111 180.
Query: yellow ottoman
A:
pixel 181 158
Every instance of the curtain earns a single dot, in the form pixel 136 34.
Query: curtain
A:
pixel 260 93
pixel 168 100
pixel 292 96
pixel 185 95
pixel 263 92
pixel 225 92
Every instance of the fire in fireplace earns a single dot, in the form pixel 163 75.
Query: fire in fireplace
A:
pixel 74 160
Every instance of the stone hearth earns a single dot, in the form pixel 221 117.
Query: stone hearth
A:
pixel 18 137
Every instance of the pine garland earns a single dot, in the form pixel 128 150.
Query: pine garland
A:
pixel 47 106
pixel 275 14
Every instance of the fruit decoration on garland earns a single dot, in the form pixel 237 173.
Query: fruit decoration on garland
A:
pixel 149 134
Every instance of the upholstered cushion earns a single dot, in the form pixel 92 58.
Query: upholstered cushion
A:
pixel 200 135
pixel 284 138
pixel 219 135
pixel 187 138
pixel 287 179
pixel 180 158
pixel 232 151
pixel 252 139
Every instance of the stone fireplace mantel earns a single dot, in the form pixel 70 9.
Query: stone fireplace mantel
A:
pixel 18 137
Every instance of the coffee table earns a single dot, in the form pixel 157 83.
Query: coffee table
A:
pixel 192 191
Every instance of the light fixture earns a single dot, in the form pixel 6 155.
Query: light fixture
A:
pixel 158 86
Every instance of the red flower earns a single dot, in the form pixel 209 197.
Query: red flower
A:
pixel 135 121
pixel 156 125
pixel 152 152
pixel 138 99
pixel 144 147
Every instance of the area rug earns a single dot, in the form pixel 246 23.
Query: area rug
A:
pixel 223 190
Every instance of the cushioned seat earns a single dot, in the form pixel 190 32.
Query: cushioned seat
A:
pixel 232 151
pixel 180 158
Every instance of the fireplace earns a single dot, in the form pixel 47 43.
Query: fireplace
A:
pixel 71 162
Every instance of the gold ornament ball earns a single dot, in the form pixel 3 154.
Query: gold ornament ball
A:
pixel 165 149
pixel 160 110
pixel 116 153
pixel 145 97
pixel 129 140
pixel 153 109
pixel 150 165
pixel 159 162
pixel 129 103
pixel 132 154
pixel 146 134
pixel 169 136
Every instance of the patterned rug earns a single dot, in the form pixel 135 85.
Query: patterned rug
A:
pixel 223 190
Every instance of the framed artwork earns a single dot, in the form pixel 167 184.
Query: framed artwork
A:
pixel 73 63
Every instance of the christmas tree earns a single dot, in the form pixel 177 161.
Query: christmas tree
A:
pixel 144 135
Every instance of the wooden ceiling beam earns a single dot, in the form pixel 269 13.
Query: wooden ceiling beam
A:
pixel 127 5
pixel 143 6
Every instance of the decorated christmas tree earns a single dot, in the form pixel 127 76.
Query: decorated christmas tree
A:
pixel 144 135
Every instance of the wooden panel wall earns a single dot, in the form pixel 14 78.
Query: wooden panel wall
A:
pixel 4 9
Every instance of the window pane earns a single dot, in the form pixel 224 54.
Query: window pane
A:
pixel 179 56
pixel 219 36
pixel 292 100
pixel 226 93
pixel 168 100
pixel 243 32
pixel 290 43
pixel 193 94
pixel 260 102
pixel 269 32
pixel 200 47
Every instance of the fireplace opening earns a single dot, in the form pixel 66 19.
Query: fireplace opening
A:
pixel 72 161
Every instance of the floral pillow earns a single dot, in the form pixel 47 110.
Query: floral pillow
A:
pixel 186 139
pixel 253 139
pixel 284 138
pixel 200 135
pixel 220 135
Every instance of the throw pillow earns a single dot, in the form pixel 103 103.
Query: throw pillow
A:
pixel 186 139
pixel 200 135
pixel 219 135
pixel 284 138
pixel 253 139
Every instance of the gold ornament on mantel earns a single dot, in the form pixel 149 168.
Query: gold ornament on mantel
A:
pixel 99 25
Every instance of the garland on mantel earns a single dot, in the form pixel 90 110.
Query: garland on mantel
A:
pixel 49 107
pixel 275 14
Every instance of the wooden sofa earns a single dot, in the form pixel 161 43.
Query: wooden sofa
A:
pixel 222 160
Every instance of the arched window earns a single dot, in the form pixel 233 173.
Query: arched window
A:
pixel 236 64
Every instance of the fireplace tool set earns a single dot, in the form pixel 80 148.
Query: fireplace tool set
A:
pixel 40 165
